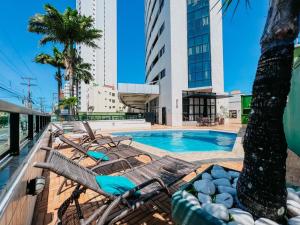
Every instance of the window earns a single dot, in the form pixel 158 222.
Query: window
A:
pixel 4 128
pixel 155 60
pixel 199 60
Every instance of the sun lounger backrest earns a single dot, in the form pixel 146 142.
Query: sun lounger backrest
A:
pixel 56 126
pixel 89 130
pixel 61 165
pixel 73 144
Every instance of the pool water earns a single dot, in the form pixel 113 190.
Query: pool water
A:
pixel 181 141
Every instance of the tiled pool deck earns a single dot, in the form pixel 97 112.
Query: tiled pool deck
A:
pixel 155 213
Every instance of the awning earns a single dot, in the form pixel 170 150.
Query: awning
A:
pixel 137 95
pixel 207 95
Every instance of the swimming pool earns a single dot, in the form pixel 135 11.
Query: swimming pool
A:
pixel 181 141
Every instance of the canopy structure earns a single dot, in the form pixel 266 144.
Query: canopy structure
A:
pixel 137 95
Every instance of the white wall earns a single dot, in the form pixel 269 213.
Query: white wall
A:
pixel 216 43
pixel 104 58
pixel 174 60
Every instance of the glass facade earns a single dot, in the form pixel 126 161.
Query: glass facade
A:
pixel 199 58
pixel 197 106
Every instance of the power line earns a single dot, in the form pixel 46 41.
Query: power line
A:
pixel 42 102
pixel 29 84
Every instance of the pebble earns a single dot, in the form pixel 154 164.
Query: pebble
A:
pixel 225 199
pixel 241 217
pixel 225 189
pixel 204 199
pixel 294 221
pixel 217 210
pixel 292 195
pixel 191 198
pixel 265 221
pixel 232 223
pixel 222 182
pixel 234 174
pixel 293 208
pixel 220 174
pixel 206 176
pixel 217 167
pixel 205 186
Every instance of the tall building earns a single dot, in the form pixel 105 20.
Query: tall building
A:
pixel 184 56
pixel 104 58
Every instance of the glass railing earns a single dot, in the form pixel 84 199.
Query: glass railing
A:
pixel 17 125
pixel 4 132
pixel 104 116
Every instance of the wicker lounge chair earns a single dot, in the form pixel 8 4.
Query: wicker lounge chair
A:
pixel 81 153
pixel 76 134
pixel 96 137
pixel 113 153
pixel 149 180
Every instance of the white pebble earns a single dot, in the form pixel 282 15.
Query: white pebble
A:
pixel 191 198
pixel 222 182
pixel 204 199
pixel 241 217
pixel 225 199
pixel 293 208
pixel 220 174
pixel 292 195
pixel 225 189
pixel 217 210
pixel 205 186
pixel 217 167
pixel 265 221
pixel 206 176
pixel 234 174
pixel 294 221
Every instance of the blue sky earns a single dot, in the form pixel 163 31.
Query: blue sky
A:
pixel 18 47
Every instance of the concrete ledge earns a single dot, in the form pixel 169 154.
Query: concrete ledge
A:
pixel 16 207
pixel 114 125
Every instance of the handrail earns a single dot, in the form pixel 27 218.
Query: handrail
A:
pixel 12 108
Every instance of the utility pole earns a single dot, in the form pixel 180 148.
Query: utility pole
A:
pixel 42 101
pixel 29 84
pixel 54 100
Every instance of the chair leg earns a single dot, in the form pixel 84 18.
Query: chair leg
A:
pixel 59 191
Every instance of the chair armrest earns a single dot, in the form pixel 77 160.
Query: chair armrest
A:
pixel 145 184
pixel 111 163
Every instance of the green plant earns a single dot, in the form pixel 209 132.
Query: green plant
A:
pixel 67 28
pixel 56 60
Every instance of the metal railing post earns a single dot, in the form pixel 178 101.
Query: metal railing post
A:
pixel 37 124
pixel 14 121
pixel 30 127
pixel 41 123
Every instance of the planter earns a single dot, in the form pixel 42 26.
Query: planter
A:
pixel 186 213
pixel 186 209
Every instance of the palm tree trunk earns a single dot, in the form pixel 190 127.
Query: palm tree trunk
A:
pixel 59 85
pixel 261 188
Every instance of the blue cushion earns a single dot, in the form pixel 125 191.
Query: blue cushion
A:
pixel 98 155
pixel 114 185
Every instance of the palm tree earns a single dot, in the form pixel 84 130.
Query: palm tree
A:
pixel 261 188
pixel 68 28
pixel 82 72
pixel 70 103
pixel 57 60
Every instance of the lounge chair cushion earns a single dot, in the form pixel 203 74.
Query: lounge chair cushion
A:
pixel 98 155
pixel 114 185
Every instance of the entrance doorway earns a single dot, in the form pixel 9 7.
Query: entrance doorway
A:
pixel 164 116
